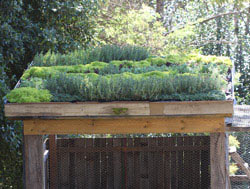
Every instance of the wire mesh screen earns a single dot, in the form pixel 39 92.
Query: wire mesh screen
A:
pixel 241 116
pixel 158 162
pixel 239 177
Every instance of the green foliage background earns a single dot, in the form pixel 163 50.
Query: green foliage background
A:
pixel 31 27
pixel 28 28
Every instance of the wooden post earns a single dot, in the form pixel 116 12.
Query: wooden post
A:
pixel 33 153
pixel 53 161
pixel 218 161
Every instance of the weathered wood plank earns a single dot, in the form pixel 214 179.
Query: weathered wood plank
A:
pixel 237 129
pixel 191 108
pixel 110 166
pixel 180 164
pixel 72 165
pixel 173 173
pixel 126 125
pixel 76 109
pixel 80 163
pixel 240 163
pixel 144 180
pixel 34 170
pixel 117 159
pixel 126 170
pixel 167 164
pixel 219 175
pixel 152 163
pixel 90 167
pixel 63 165
pixel 160 164
pixel 188 142
pixel 196 164
pixel 53 161
pixel 205 173
pixel 130 165
pixel 137 163
pixel 239 178
pixel 57 110
pixel 103 167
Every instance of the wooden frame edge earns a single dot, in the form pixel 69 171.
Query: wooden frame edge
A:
pixel 181 124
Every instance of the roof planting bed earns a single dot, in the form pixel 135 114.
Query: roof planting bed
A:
pixel 54 94
pixel 113 73
pixel 122 90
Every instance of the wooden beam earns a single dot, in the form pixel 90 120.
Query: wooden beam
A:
pixel 191 108
pixel 237 129
pixel 227 161
pixel 87 109
pixel 121 125
pixel 34 169
pixel 240 163
pixel 239 178
pixel 219 175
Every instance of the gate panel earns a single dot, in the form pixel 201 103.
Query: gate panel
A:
pixel 162 162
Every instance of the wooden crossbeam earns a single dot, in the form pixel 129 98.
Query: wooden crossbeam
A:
pixel 126 125
pixel 87 109
pixel 241 163
pixel 237 129
pixel 239 178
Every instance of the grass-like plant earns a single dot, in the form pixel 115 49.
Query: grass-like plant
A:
pixel 105 53
pixel 171 87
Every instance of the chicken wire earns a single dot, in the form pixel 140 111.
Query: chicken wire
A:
pixel 244 151
pixel 132 162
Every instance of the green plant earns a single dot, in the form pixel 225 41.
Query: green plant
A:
pixel 28 94
pixel 104 53
pixel 133 87
pixel 172 63
pixel 119 111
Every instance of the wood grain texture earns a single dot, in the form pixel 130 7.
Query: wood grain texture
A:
pixel 87 109
pixel 241 163
pixel 238 129
pixel 34 169
pixel 132 162
pixel 191 108
pixel 53 161
pixel 219 175
pixel 181 124
pixel 239 178
pixel 74 109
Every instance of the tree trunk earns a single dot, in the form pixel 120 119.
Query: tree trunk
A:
pixel 160 8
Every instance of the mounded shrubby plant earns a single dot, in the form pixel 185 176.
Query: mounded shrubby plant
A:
pixel 171 63
pixel 183 87
pixel 105 53
pixel 28 94
pixel 122 73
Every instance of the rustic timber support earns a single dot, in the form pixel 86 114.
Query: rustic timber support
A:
pixel 218 161
pixel 126 125
pixel 241 163
pixel 59 110
pixel 119 118
pixel 239 178
pixel 34 169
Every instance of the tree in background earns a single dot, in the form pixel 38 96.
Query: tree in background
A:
pixel 29 27
pixel 219 27
pixel 134 27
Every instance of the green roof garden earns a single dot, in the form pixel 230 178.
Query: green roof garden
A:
pixel 128 73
